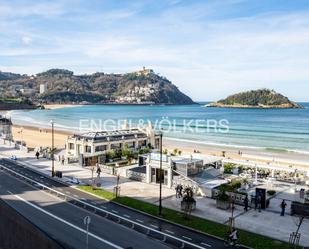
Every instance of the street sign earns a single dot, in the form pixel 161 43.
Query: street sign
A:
pixel 87 220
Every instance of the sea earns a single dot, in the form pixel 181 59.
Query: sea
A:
pixel 278 130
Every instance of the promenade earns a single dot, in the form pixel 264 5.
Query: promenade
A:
pixel 268 222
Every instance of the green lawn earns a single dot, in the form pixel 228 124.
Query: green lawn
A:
pixel 203 225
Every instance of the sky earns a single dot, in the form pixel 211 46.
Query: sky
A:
pixel 208 48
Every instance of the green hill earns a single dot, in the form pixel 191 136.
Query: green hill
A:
pixel 63 86
pixel 261 98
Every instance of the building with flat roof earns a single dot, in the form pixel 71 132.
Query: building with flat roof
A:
pixel 43 88
pixel 91 148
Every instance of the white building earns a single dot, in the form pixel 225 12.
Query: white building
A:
pixel 43 88
pixel 91 148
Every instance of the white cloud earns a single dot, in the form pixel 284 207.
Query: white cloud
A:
pixel 26 40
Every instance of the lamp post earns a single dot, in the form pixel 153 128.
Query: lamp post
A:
pixel 52 149
pixel 160 174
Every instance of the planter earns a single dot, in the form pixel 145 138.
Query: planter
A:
pixel 222 204
pixel 184 205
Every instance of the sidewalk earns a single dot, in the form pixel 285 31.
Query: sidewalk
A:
pixel 268 222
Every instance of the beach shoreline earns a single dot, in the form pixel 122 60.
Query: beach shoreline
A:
pixel 58 106
pixel 36 137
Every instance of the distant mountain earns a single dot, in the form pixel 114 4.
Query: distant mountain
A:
pixel 9 76
pixel 261 98
pixel 62 86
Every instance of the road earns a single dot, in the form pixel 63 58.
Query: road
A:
pixel 107 229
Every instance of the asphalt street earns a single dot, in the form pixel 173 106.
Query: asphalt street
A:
pixel 106 228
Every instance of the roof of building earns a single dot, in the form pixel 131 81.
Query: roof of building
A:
pixel 114 135
pixel 186 160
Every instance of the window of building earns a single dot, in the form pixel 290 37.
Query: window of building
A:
pixel 71 146
pixel 88 149
pixel 100 148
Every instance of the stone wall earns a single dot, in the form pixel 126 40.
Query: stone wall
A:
pixel 16 232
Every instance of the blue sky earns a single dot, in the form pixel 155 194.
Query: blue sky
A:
pixel 209 49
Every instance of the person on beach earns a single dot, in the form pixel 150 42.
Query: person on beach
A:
pixel 283 206
pixel 37 154
pixel 246 202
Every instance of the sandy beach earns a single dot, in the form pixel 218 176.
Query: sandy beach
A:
pixel 58 106
pixel 248 154
pixel 35 137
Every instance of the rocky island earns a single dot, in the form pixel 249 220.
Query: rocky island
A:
pixel 61 86
pixel 261 98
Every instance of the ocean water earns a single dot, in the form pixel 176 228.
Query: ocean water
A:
pixel 268 129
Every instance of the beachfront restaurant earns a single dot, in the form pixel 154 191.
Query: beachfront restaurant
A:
pixel 91 148
pixel 171 166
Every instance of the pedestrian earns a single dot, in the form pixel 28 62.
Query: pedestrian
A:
pixel 259 203
pixel 59 158
pixel 37 154
pixel 177 191
pixel 180 191
pixel 246 202
pixel 283 205
pixel 98 170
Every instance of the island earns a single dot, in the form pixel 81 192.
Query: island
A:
pixel 61 86
pixel 261 98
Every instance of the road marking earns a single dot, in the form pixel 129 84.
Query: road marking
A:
pixel 66 222
pixel 93 203
pixel 114 211
pixel 67 192
pixel 60 189
pixel 185 237
pixel 83 199
pixel 168 231
pixel 140 221
pixel 204 244
pixel 76 196
pixel 128 216
pixel 154 226
pixel 103 207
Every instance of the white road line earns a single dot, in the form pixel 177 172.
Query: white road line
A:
pixel 83 199
pixel 204 244
pixel 154 226
pixel 114 211
pixel 67 192
pixel 103 207
pixel 66 222
pixel 60 189
pixel 185 237
pixel 76 196
pixel 168 231
pixel 140 221
pixel 93 203
pixel 128 216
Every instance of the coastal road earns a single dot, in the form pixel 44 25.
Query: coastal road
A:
pixel 175 234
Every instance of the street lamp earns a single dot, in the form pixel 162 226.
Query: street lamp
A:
pixel 160 179
pixel 52 150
